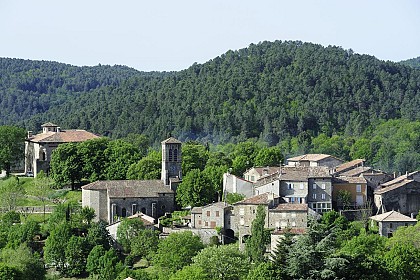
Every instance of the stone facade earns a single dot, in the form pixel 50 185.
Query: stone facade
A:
pixel 234 184
pixel 390 221
pixel 39 148
pixel 255 173
pixel 315 160
pixel 211 216
pixel 401 194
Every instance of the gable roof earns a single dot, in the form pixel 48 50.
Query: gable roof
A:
pixel 171 140
pixel 296 173
pixel 355 171
pixel 219 204
pixel 349 165
pixel 49 124
pixel 130 188
pixel 309 157
pixel 396 183
pixel 348 180
pixel 267 169
pixel 392 216
pixel 291 207
pixel 64 136
pixel 262 199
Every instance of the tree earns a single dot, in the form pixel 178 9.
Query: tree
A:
pixel 8 272
pixel 194 156
pixel 99 235
pixel 120 155
pixel 271 156
pixel 344 199
pixel 127 230
pixel 87 214
pixel 403 261
pixel 12 146
pixel 177 250
pixel 92 262
pixel 222 262
pixel 263 271
pixel 190 272
pixel 42 188
pixel 215 175
pixel 66 165
pixel 11 191
pixel 55 246
pixel 140 141
pixel 92 153
pixel 148 168
pixel 232 198
pixel 196 189
pixel 76 256
pixel 256 244
pixel 109 266
pixel 145 243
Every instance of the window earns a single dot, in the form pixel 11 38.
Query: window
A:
pixel 390 225
pixel 359 188
pixel 301 186
pixel 199 222
pixel 208 213
pixel 252 178
pixel 206 224
pixel 175 154
pixel 123 213
pixel 134 209
pixel 291 199
pixel 323 186
pixel 323 196
pixel 314 195
pixel 217 213
pixel 241 211
pixel 314 186
pixel 290 186
pixel 170 155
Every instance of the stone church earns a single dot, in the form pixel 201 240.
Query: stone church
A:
pixel 115 199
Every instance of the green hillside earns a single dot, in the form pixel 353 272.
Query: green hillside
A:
pixel 272 90
pixel 414 62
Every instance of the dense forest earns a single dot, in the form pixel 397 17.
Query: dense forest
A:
pixel 31 87
pixel 297 95
pixel 413 62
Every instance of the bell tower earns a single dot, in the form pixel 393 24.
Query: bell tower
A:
pixel 171 160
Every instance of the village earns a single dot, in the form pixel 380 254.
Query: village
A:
pixel 291 194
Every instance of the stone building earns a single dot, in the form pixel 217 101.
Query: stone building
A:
pixel 255 173
pixel 211 216
pixel 112 200
pixel 117 199
pixel 234 184
pixel 390 221
pixel 315 160
pixel 39 147
pixel 400 194
pixel 300 184
pixel 355 186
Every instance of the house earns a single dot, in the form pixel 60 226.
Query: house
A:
pixel 39 147
pixel 355 186
pixel 234 184
pixel 211 216
pixel 350 165
pixel 400 194
pixel 148 222
pixel 122 198
pixel 115 199
pixel 300 184
pixel 390 221
pixel 314 160
pixel 255 173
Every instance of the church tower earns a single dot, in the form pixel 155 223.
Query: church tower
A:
pixel 171 161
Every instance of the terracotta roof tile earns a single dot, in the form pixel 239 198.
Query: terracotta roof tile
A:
pixel 264 198
pixel 291 207
pixel 309 157
pixel 349 180
pixel 64 136
pixel 296 173
pixel 392 216
pixel 351 164
pixel 171 140
pixel 356 171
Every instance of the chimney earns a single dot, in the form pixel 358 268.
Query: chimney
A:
pixel 58 129
pixel 30 134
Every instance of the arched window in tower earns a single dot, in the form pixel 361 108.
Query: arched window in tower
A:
pixel 44 155
pixel 123 212
pixel 175 154
pixel 170 155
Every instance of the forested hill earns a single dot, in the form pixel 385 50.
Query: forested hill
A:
pixel 271 90
pixel 29 87
pixel 414 62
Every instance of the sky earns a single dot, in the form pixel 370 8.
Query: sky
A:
pixel 172 35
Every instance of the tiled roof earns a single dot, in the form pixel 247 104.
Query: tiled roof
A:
pixel 349 180
pixel 392 216
pixel 171 140
pixel 48 124
pixel 64 136
pixel 296 173
pixel 219 204
pixel 396 183
pixel 142 217
pixel 291 207
pixel 356 171
pixel 196 210
pixel 264 198
pixel 348 165
pixel 266 170
pixel 130 188
pixel 309 157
